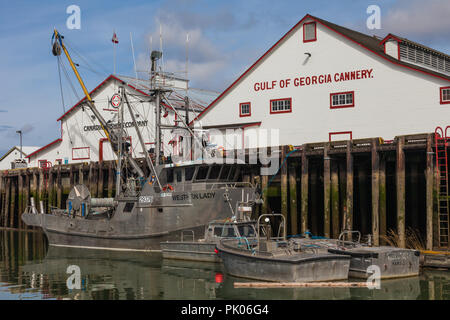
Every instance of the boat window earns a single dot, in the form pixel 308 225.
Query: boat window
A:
pixel 232 173
pixel 226 231
pixel 202 173
pixel 225 172
pixel 178 175
pixel 189 173
pixel 169 175
pixel 214 174
pixel 246 231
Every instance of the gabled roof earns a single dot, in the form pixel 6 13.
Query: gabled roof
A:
pixel 198 100
pixel 370 43
pixel 111 77
pixel 44 147
pixel 25 150
pixel 415 44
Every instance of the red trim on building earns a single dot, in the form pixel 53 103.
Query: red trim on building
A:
pixel 89 153
pixel 315 31
pixel 279 41
pixel 388 37
pixel 44 147
pixel 249 109
pixel 441 95
pixel 339 133
pixel 283 111
pixel 98 87
pixel 44 164
pixel 344 105
pixel 256 124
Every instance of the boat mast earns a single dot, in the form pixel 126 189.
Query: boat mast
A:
pixel 119 145
pixel 156 55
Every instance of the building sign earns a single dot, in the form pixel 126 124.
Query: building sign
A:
pixel 314 80
pixel 116 100
pixel 116 125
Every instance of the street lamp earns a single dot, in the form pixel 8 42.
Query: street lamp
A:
pixel 20 133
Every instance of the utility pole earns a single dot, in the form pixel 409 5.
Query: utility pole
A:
pixel 20 134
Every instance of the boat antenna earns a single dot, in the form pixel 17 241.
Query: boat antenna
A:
pixel 134 59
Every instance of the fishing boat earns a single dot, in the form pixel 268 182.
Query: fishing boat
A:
pixel 276 259
pixel 390 262
pixel 146 209
pixel 238 226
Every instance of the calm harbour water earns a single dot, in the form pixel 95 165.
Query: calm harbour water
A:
pixel 30 269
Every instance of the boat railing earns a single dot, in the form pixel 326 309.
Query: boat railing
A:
pixel 281 227
pixel 342 242
pixel 187 232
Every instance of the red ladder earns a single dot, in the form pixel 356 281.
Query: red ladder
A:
pixel 441 144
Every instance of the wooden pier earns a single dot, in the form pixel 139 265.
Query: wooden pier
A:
pixel 368 185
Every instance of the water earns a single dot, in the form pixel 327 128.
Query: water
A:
pixel 30 269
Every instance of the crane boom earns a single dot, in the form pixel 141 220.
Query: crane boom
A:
pixel 110 135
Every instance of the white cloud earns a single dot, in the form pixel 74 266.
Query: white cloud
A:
pixel 420 20
pixel 205 59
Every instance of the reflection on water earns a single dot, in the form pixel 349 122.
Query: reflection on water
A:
pixel 30 269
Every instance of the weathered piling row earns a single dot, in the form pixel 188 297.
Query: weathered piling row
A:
pixel 368 185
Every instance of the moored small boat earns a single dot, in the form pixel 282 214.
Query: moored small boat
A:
pixel 390 262
pixel 238 226
pixel 276 259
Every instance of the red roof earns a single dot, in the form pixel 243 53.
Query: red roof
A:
pixel 361 39
pixel 44 147
pixel 98 87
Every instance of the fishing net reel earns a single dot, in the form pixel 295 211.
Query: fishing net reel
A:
pixel 79 201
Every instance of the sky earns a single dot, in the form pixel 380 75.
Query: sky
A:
pixel 225 38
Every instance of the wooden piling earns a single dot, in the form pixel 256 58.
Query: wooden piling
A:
pixel 293 197
pixel 429 192
pixel 335 199
pixel 304 192
pixel 100 180
pixel 2 187
pixel 348 212
pixel 111 179
pixel 326 191
pixel 13 203
pixel 20 196
pixel 41 186
pixel 342 193
pixel 81 173
pixel 400 184
pixel 284 184
pixel 375 193
pixel 59 188
pixel 50 189
pixel 382 201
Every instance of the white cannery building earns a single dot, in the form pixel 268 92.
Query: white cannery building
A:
pixel 323 82
pixel 83 140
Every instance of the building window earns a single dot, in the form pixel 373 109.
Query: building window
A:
pixel 445 95
pixel 342 100
pixel 339 136
pixel 281 105
pixel 245 109
pixel 309 32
